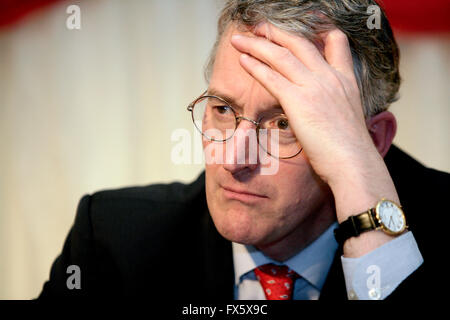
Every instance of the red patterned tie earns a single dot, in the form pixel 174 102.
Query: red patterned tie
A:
pixel 277 281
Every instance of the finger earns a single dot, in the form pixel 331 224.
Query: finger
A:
pixel 337 52
pixel 278 58
pixel 270 79
pixel 301 47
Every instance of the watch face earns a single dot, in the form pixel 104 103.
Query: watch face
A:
pixel 391 216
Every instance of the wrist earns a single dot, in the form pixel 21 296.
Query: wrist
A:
pixel 360 185
pixel 356 247
pixel 366 231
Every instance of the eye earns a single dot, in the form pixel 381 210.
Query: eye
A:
pixel 222 109
pixel 282 124
pixel 279 122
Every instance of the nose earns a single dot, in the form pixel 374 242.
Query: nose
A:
pixel 241 151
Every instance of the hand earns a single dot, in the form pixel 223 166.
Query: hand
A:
pixel 319 95
pixel 321 98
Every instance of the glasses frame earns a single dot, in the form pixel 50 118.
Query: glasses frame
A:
pixel 238 118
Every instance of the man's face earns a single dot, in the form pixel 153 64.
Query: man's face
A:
pixel 246 206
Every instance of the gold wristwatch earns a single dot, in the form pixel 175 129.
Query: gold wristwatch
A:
pixel 386 216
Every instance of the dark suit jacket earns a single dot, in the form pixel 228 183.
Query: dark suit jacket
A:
pixel 160 239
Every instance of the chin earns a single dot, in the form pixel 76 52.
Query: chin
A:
pixel 236 225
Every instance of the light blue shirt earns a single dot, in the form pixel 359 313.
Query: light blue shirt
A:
pixel 372 276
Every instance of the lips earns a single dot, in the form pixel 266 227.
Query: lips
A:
pixel 242 195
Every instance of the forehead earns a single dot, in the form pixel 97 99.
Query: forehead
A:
pixel 229 78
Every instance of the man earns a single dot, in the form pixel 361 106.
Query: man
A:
pixel 316 77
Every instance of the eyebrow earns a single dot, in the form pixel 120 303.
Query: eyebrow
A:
pixel 232 101
pixel 227 98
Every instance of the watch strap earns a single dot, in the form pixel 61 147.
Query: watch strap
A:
pixel 355 225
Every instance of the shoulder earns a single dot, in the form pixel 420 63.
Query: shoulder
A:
pixel 128 234
pixel 136 225
pixel 175 192
pixel 151 198
pixel 132 212
pixel 423 192
pixel 412 177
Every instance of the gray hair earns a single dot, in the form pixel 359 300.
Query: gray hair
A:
pixel 374 51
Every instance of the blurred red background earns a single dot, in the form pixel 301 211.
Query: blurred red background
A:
pixel 406 16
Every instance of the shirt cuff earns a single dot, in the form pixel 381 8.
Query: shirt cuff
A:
pixel 375 275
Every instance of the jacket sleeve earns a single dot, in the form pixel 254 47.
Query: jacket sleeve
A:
pixel 73 270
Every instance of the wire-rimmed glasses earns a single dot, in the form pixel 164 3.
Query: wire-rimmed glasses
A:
pixel 217 121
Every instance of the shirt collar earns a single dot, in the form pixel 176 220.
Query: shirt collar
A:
pixel 312 263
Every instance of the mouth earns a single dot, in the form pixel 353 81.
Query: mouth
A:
pixel 242 195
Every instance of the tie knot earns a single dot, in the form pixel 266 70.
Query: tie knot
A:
pixel 277 281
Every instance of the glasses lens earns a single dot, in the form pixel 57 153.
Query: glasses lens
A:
pixel 214 118
pixel 277 138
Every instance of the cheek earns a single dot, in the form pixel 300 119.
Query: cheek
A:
pixel 293 182
pixel 214 154
pixel 299 191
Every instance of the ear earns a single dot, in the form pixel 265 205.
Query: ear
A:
pixel 382 128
